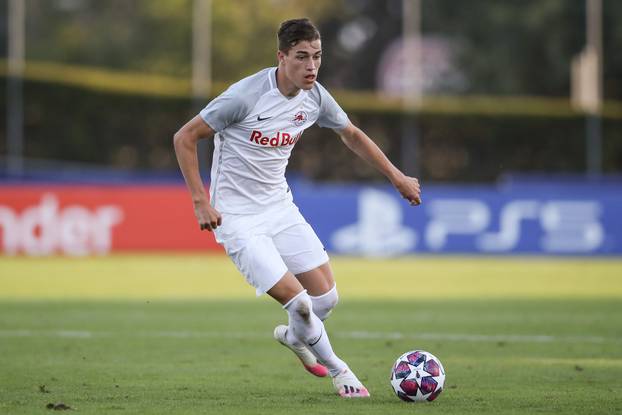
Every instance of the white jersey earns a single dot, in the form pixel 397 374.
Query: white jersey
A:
pixel 257 128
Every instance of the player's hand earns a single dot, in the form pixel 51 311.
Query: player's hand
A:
pixel 409 189
pixel 208 217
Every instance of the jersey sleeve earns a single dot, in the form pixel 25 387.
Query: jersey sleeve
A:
pixel 331 115
pixel 226 109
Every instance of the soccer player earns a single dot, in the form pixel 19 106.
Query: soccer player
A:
pixel 255 123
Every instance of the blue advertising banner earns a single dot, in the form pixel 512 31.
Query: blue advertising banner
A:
pixel 530 218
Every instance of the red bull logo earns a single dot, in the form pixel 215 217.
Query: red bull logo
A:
pixel 280 139
pixel 300 118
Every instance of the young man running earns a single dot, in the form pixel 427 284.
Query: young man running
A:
pixel 256 123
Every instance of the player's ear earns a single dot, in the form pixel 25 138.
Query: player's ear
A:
pixel 280 56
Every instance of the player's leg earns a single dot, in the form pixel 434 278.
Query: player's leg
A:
pixel 305 327
pixel 258 260
pixel 256 257
pixel 320 285
pixel 305 332
pixel 305 256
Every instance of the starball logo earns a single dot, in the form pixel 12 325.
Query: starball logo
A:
pixel 279 140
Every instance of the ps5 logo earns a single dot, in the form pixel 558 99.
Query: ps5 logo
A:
pixel 379 231
pixel 472 225
pixel 567 226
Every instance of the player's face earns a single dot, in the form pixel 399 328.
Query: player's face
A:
pixel 301 63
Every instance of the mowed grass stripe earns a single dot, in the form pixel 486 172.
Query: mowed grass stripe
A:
pixel 356 335
pixel 170 276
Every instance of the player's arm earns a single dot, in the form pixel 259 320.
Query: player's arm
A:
pixel 365 148
pixel 185 141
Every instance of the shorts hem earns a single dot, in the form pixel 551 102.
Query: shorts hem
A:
pixel 325 260
pixel 260 291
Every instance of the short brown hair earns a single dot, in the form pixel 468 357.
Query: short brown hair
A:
pixel 294 31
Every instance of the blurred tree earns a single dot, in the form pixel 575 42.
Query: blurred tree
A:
pixel 612 39
pixel 141 35
pixel 502 47
pixel 514 47
pixel 155 35
pixel 244 32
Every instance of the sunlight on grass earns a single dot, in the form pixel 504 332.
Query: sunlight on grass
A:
pixel 170 276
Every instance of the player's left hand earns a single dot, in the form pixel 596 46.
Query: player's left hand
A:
pixel 409 189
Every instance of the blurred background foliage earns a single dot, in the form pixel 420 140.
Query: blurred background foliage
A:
pixel 501 49
pixel 155 36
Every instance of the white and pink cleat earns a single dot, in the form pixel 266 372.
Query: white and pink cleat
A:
pixel 306 357
pixel 348 385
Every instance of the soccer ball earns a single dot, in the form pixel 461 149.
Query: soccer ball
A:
pixel 417 376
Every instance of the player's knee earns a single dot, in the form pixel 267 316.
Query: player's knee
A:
pixel 301 307
pixel 305 326
pixel 323 305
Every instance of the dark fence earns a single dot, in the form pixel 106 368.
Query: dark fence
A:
pixel 135 132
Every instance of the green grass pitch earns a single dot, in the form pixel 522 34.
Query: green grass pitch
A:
pixel 183 334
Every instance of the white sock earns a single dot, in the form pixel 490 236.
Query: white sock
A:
pixel 307 328
pixel 323 304
pixel 322 307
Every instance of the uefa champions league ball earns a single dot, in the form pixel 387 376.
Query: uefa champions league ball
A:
pixel 417 376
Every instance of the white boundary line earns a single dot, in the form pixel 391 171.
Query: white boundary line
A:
pixel 360 335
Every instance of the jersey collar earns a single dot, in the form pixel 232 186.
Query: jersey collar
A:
pixel 272 78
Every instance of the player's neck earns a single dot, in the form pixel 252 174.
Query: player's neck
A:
pixel 285 86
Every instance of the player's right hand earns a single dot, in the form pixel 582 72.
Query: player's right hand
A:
pixel 208 217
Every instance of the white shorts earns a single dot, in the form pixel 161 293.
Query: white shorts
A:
pixel 265 246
